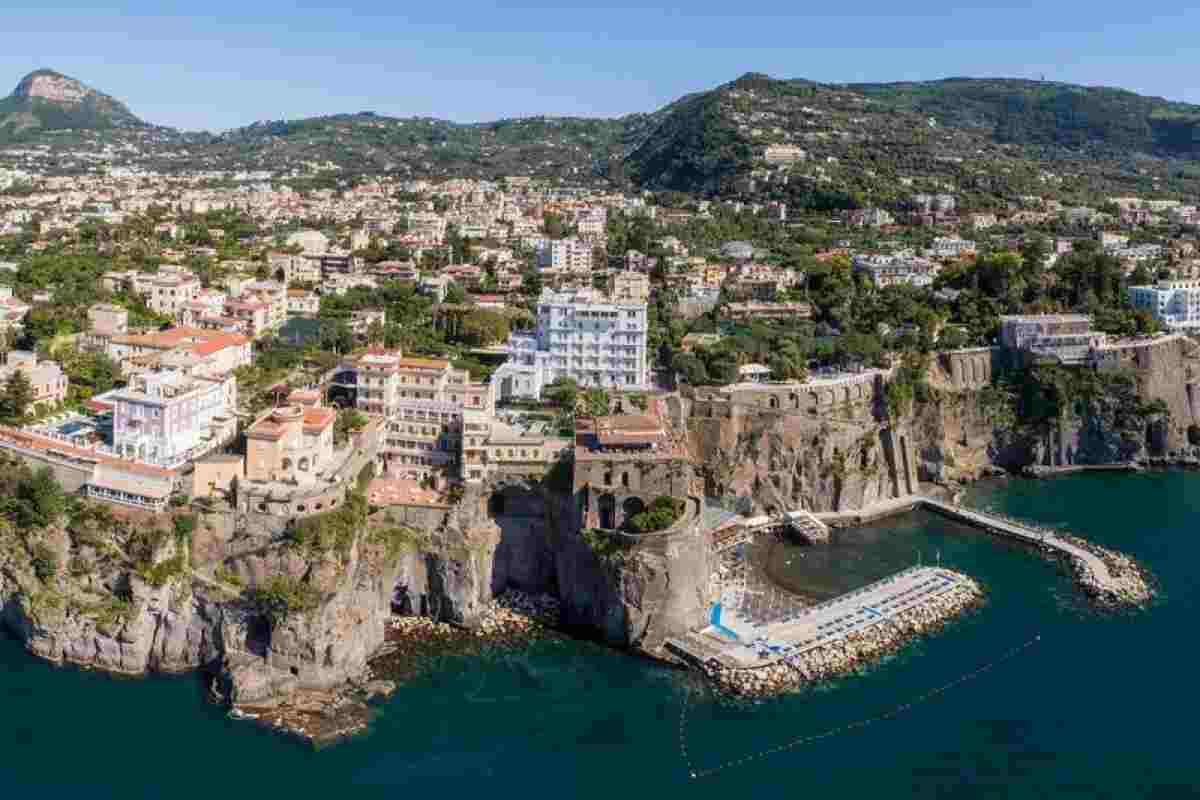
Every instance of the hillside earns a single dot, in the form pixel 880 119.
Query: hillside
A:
pixel 862 143
pixel 1038 113
pixel 935 129
pixel 569 148
pixel 46 100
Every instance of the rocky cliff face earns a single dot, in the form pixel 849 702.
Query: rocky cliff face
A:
pixel 48 100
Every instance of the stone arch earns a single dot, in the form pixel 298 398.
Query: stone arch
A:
pixel 774 401
pixel 632 507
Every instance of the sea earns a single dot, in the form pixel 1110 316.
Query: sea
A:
pixel 1033 695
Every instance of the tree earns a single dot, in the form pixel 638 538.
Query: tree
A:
pixel 40 499
pixel 482 328
pixel 347 422
pixel 18 394
pixel 562 393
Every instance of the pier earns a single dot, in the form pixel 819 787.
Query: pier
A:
pixel 1015 530
pixel 741 637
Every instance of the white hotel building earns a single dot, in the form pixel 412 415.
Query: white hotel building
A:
pixel 1176 304
pixel 583 335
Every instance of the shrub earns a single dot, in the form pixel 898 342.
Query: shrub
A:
pixel 45 562
pixel 662 514
pixel 284 596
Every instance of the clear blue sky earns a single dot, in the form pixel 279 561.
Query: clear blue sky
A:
pixel 472 60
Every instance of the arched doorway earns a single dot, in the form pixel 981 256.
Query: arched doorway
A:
pixel 630 509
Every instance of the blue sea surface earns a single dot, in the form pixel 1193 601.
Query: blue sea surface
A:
pixel 1102 706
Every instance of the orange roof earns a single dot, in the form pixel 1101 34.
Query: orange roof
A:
pixel 219 343
pixel 319 418
pixel 424 363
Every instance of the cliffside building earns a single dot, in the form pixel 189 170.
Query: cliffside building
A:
pixel 1066 337
pixel 583 335
pixel 169 417
pixel 423 401
pixel 292 443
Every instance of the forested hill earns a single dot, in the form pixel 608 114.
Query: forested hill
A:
pixel 1038 113
pixel 706 142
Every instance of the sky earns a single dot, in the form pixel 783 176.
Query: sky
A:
pixel 467 61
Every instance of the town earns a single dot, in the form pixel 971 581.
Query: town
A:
pixel 259 420
pixel 154 329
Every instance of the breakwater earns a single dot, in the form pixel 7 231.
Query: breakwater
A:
pixel 1107 577
pixel 850 650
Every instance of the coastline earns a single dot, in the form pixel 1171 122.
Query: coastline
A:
pixel 413 646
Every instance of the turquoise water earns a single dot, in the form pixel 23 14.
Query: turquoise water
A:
pixel 1102 706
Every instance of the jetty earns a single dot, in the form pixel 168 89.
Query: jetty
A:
pixel 1108 576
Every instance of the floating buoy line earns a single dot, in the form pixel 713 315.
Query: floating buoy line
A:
pixel 695 773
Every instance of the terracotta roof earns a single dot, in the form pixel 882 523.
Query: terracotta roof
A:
pixel 219 343
pixel 319 418
pixel 424 363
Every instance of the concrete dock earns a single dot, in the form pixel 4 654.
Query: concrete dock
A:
pixel 743 641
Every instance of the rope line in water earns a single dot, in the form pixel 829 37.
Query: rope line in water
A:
pixel 695 773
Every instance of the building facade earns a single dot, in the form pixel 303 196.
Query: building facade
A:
pixel 1176 304
pixel 583 335
pixel 169 416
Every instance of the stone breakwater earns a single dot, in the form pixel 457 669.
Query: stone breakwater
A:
pixel 413 647
pixel 1127 582
pixel 853 651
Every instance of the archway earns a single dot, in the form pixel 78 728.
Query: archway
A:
pixel 631 508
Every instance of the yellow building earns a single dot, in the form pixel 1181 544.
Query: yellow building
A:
pixel 292 443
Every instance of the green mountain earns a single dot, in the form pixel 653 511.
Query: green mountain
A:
pixel 565 147
pixel 706 141
pixel 1033 112
pixel 46 100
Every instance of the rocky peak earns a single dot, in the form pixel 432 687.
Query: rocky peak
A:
pixel 53 87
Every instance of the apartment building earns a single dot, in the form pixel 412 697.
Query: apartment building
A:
pixel 564 255
pixel 585 335
pixel 1066 337
pixel 168 416
pixel 491 447
pixel 423 401
pixel 302 302
pixel 784 154
pixel 951 247
pixel 166 294
pixel 108 320
pixel 46 378
pixel 629 287
pixel 1175 304
pixel 904 268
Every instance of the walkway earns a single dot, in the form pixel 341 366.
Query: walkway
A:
pixel 992 523
pixel 1006 527
pixel 761 641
